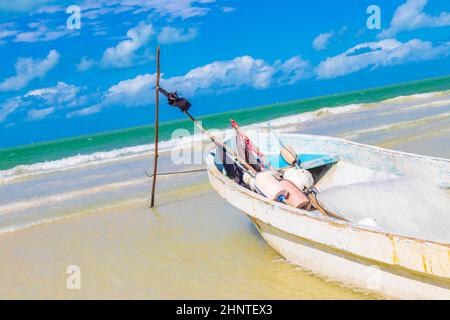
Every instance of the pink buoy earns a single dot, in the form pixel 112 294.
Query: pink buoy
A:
pixel 295 198
pixel 269 186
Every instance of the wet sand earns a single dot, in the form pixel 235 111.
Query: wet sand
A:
pixel 194 245
pixel 205 251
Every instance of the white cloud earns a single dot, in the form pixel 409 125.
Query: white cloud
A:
pixel 175 8
pixel 85 64
pixel 7 33
pixel 229 75
pixel 39 114
pixel 411 16
pixel 40 32
pixel 7 30
pixel 321 41
pixel 45 101
pixel 28 69
pixel 228 9
pixel 219 76
pixel 183 9
pixel 92 9
pixel 21 5
pixel 291 71
pixel 382 53
pixel 9 107
pixel 84 112
pixel 100 33
pixel 174 35
pixel 62 95
pixel 51 9
pixel 124 54
pixel 131 92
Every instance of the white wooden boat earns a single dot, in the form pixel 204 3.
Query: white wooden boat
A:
pixel 395 264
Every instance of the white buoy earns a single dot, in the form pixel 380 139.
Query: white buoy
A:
pixel 301 178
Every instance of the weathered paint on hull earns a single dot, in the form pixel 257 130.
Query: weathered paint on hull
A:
pixel 353 271
pixel 394 265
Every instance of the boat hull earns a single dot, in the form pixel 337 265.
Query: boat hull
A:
pixel 354 272
pixel 393 265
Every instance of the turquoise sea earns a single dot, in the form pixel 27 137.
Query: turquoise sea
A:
pixel 107 141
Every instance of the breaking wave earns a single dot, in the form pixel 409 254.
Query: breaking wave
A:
pixel 284 124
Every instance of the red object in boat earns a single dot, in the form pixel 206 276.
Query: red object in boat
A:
pixel 295 197
pixel 249 145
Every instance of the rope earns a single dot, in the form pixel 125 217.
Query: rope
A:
pixel 224 145
pixel 284 147
pixel 276 135
pixel 174 172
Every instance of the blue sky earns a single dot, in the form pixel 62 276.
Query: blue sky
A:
pixel 57 81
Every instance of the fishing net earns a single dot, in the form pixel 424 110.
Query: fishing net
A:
pixel 405 206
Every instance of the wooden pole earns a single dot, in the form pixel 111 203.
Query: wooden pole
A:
pixel 155 159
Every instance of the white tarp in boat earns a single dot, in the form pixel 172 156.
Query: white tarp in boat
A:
pixel 404 206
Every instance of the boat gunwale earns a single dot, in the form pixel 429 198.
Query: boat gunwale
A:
pixel 369 147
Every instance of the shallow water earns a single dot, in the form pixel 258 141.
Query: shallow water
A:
pixel 188 251
pixel 194 244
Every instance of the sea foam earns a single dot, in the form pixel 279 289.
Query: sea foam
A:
pixel 83 160
pixel 283 124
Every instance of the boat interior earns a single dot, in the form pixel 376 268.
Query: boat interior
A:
pixel 359 192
